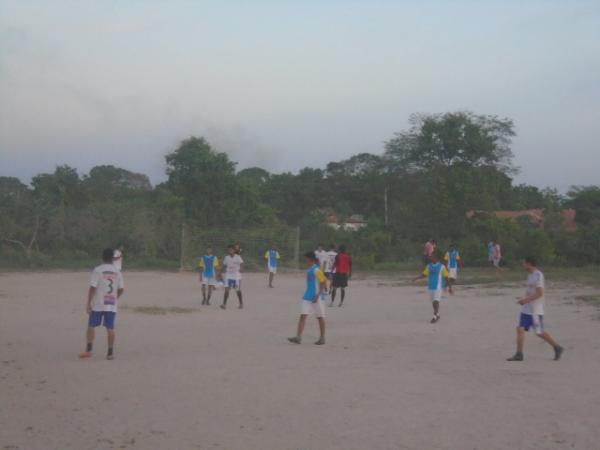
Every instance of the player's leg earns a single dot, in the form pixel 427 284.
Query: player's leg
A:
pixel 271 278
pixel 210 291
pixel 321 340
pixel 301 324
pixel 225 296
pixel 109 324
pixel 94 320
pixel 333 294
pixel 436 311
pixel 203 293
pixel 538 323
pixel 342 296
pixel 521 328
pixel 238 291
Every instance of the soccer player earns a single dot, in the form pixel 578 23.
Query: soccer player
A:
pixel 342 273
pixel 106 287
pixel 435 272
pixel 497 257
pixel 272 256
pixel 311 301
pixel 118 258
pixel 330 266
pixel 452 260
pixel 491 248
pixel 232 264
pixel 208 264
pixel 321 255
pixel 532 311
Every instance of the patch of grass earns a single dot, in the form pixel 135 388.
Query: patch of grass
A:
pixel 158 310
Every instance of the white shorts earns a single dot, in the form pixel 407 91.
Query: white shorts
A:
pixel 436 296
pixel 496 262
pixel 308 308
pixel 272 269
pixel 208 281
pixel 452 273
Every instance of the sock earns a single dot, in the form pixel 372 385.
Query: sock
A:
pixel 88 347
pixel 239 294
pixel 110 350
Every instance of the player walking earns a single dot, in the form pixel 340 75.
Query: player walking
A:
pixel 106 287
pixel 342 273
pixel 435 272
pixel 232 264
pixel 330 266
pixel 532 311
pixel 311 301
pixel 208 264
pixel 452 260
pixel 272 256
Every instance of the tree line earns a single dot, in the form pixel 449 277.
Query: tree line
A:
pixel 421 186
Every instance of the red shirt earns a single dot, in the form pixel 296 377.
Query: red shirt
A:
pixel 343 263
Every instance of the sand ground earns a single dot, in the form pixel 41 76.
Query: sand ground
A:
pixel 203 378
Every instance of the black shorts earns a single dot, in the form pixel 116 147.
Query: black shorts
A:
pixel 340 280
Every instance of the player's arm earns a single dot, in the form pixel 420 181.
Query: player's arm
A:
pixel 90 297
pixel 422 275
pixel 539 293
pixel 445 272
pixel 322 284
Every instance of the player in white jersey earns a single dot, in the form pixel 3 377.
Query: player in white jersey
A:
pixel 106 287
pixel 232 265
pixel 329 267
pixel 321 255
pixel 532 312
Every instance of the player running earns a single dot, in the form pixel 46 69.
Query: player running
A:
pixel 435 272
pixel 342 273
pixel 232 264
pixel 272 256
pixel 106 287
pixel 311 301
pixel 532 312
pixel 208 265
pixel 452 260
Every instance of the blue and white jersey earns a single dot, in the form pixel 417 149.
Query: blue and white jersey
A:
pixel 272 257
pixel 314 278
pixel 452 257
pixel 208 264
pixel 435 273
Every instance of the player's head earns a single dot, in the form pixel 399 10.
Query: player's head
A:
pixel 342 248
pixel 434 257
pixel 529 263
pixel 209 250
pixel 452 246
pixel 331 246
pixel 108 255
pixel 231 249
pixel 311 258
pixel 320 247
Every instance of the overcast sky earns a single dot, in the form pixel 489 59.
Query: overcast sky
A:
pixel 287 84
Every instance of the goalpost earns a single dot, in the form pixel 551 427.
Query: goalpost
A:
pixel 253 241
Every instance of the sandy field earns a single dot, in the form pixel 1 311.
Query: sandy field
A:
pixel 191 377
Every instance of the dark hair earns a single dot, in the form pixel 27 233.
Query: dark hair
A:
pixel 342 248
pixel 531 260
pixel 108 255
pixel 310 255
pixel 331 245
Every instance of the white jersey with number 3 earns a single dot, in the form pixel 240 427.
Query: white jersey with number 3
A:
pixel 107 280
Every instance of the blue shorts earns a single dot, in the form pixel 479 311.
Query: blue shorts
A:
pixel 233 283
pixel 106 318
pixel 535 321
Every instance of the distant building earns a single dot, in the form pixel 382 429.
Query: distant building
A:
pixel 353 223
pixel 535 215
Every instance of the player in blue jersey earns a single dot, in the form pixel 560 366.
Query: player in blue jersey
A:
pixel 272 256
pixel 452 260
pixel 312 303
pixel 208 266
pixel 436 273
